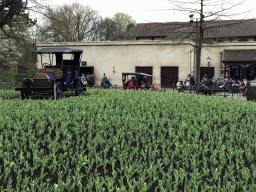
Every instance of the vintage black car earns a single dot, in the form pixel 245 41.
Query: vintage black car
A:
pixel 58 75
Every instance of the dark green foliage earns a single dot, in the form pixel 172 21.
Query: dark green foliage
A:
pixel 128 140
pixel 9 9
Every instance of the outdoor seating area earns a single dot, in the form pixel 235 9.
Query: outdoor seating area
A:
pixel 221 87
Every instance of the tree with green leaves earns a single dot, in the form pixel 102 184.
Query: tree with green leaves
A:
pixel 16 59
pixel 10 9
pixel 124 26
pixel 16 44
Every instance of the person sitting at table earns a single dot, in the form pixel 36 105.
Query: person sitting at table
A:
pixel 205 76
pixel 230 82
pixel 180 86
pixel 220 80
pixel 187 82
pixel 204 84
pixel 244 83
pixel 233 83
pixel 243 86
pixel 143 85
pixel 225 84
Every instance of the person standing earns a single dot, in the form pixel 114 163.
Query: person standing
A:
pixel 188 78
pixel 192 81
pixel 104 81
pixel 83 79
pixel 88 77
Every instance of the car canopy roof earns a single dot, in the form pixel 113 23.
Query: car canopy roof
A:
pixel 136 73
pixel 59 50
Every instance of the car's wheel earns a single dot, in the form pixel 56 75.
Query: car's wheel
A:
pixel 79 88
pixel 25 94
pixel 59 90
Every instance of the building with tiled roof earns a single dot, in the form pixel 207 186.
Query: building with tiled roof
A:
pixel 215 30
pixel 167 51
pixel 234 39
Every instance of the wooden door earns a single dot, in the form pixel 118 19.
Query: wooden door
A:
pixel 169 76
pixel 206 70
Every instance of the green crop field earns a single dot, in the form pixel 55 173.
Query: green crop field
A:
pixel 115 140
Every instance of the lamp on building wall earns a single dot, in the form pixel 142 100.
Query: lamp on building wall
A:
pixel 221 68
pixel 114 70
pixel 208 61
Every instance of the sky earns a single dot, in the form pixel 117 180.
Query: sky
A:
pixel 145 11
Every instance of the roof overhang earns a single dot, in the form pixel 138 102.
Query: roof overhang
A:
pixel 58 50
pixel 245 55
pixel 136 73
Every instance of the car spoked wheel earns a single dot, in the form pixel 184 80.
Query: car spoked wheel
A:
pixel 25 94
pixel 79 88
pixel 58 91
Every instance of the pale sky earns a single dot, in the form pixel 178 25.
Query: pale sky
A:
pixel 144 11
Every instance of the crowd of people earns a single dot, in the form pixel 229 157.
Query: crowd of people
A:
pixel 88 80
pixel 210 83
pixel 141 81
pixel 188 83
pixel 205 84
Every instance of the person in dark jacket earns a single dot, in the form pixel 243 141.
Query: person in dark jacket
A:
pixel 145 80
pixel 192 81
pixel 204 84
pixel 140 80
pixel 134 81
pixel 104 81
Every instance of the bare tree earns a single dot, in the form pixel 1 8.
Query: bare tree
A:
pixel 207 11
pixel 106 29
pixel 76 23
pixel 72 23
